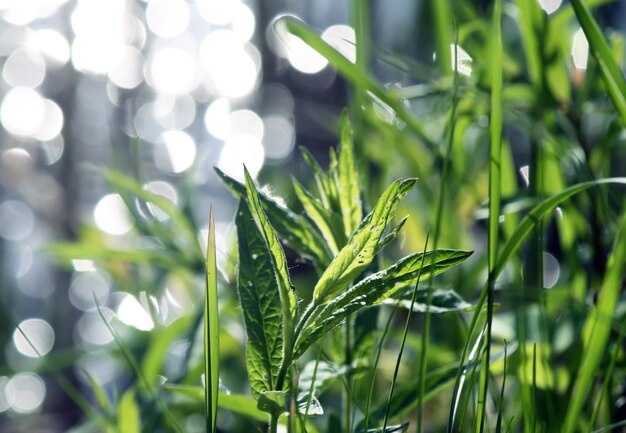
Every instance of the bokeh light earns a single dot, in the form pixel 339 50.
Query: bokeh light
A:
pixel 35 339
pixel 133 314
pixel 25 392
pixel 580 50
pixel 111 215
pixel 175 152
pixel 167 18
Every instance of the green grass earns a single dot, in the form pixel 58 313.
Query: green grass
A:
pixel 496 350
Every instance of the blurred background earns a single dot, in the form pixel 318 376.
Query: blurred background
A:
pixel 164 90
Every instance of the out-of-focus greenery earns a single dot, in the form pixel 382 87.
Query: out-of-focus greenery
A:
pixel 518 152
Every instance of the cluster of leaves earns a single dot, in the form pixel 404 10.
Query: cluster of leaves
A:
pixel 279 330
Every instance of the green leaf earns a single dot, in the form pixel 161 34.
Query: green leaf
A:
pixel 359 252
pixel 237 403
pixel 373 290
pixel 66 252
pixel 610 70
pixel 160 340
pixel 318 214
pixel 322 180
pixel 597 327
pixel 98 391
pixel 185 228
pixel 274 402
pixel 349 191
pixel 279 262
pixel 326 373
pixel 297 232
pixel 260 301
pixel 401 428
pixel 128 418
pixel 211 332
pixel 392 235
pixel 442 301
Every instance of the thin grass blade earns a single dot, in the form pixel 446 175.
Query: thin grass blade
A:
pixel 610 70
pixel 211 332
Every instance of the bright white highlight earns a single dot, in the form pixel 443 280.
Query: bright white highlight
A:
pixel 167 18
pixel 580 50
pixel 175 152
pixel 132 313
pixel 112 216
pixel 38 333
pixel 342 38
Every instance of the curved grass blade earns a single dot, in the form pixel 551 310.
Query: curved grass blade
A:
pixel 525 227
pixel 297 232
pixel 611 72
pixel 132 363
pixel 359 78
pixel 373 290
pixel 211 332
pixel 129 184
pixel 357 255
pixel 260 301
pixel 597 328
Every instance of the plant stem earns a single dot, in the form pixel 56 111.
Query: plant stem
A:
pixel 273 427
pixel 348 361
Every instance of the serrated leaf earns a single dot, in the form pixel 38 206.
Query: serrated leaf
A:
pixel 349 191
pixel 260 301
pixel 297 232
pixel 289 303
pixel 373 290
pixel 359 252
pixel 128 418
pixel 309 407
pixel 318 214
pixel 442 301
pixel 274 402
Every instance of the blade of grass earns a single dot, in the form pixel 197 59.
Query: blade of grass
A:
pixel 609 373
pixel 598 327
pixel 70 389
pixel 376 361
pixel 442 16
pixel 610 70
pixel 525 227
pixel 438 218
pixel 501 403
pixel 132 363
pixel 211 332
pixel 406 331
pixel 495 153
pixel 357 77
